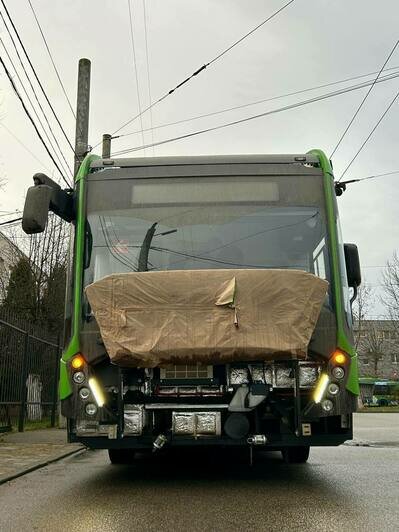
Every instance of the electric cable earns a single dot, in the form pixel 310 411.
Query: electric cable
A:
pixel 148 72
pixel 11 221
pixel 36 76
pixel 364 99
pixel 369 135
pixel 32 121
pixel 264 100
pixel 24 146
pixel 35 95
pixel 135 68
pixel 52 60
pixel 202 68
pixel 260 115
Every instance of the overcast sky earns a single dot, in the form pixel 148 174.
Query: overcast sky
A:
pixel 310 43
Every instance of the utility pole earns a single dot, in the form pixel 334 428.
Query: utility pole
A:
pixel 107 146
pixel 82 113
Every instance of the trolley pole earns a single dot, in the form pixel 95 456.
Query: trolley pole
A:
pixel 82 113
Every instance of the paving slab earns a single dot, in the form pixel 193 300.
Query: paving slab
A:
pixel 23 452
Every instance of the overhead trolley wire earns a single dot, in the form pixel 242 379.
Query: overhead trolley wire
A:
pixel 370 135
pixel 37 77
pixel 135 67
pixel 52 60
pixel 260 115
pixel 24 146
pixel 35 96
pixel 364 99
pixel 148 71
pixel 31 120
pixel 11 221
pixel 264 100
pixel 203 67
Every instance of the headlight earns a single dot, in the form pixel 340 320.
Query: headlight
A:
pixel 338 372
pixel 327 405
pixel 333 389
pixel 91 409
pixel 84 393
pixel 78 377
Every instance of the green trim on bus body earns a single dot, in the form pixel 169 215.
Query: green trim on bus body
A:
pixel 342 340
pixel 65 387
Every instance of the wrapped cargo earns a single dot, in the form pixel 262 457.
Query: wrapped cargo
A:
pixel 151 319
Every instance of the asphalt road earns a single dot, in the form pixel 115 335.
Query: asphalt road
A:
pixel 350 487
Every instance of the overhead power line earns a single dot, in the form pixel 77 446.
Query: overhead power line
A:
pixel 264 100
pixel 135 67
pixel 52 60
pixel 148 70
pixel 24 146
pixel 370 135
pixel 261 115
pixel 11 221
pixel 36 98
pixel 31 120
pixel 364 99
pixel 37 77
pixel 203 67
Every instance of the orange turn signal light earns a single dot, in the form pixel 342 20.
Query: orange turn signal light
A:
pixel 339 358
pixel 78 362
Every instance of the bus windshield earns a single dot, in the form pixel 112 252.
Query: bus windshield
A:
pixel 206 223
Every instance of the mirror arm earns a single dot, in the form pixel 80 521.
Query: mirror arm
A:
pixel 352 299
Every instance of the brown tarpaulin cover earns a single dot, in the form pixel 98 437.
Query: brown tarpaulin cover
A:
pixel 151 319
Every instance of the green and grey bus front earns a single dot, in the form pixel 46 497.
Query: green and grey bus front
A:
pixel 196 213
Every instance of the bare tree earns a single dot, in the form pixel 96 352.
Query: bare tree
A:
pixel 372 344
pixel 390 279
pixel 46 255
pixel 361 306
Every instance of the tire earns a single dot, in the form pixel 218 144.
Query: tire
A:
pixel 296 455
pixel 121 456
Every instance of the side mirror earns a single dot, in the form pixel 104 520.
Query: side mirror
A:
pixel 352 261
pixel 46 196
pixel 37 203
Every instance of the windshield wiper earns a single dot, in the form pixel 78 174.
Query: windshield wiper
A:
pixel 145 248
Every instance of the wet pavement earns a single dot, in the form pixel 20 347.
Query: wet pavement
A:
pixel 351 487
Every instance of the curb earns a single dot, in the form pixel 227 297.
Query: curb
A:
pixel 41 464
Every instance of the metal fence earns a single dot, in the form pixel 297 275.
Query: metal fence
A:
pixel 29 364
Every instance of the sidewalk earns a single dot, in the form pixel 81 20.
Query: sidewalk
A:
pixel 21 452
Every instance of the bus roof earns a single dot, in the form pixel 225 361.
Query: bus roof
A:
pixel 295 159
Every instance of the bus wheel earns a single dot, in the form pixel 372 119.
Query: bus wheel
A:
pixel 121 456
pixel 295 455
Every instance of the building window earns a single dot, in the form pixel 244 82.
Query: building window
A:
pixel 365 361
pixel 395 358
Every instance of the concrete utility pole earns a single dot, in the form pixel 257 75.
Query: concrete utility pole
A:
pixel 82 113
pixel 107 146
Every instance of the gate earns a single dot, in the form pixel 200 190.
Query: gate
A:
pixel 29 365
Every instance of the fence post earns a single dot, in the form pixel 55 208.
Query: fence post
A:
pixel 23 390
pixel 55 386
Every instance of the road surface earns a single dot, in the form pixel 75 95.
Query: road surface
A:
pixel 350 487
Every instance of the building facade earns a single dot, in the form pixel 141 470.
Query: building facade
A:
pixel 377 344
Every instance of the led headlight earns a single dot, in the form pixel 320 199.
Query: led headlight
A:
pixel 338 372
pixel 84 393
pixel 327 405
pixel 333 389
pixel 91 409
pixel 78 377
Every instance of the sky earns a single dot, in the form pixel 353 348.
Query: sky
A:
pixel 309 43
